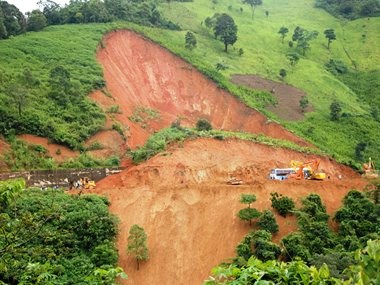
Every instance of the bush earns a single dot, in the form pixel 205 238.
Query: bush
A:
pixel 203 125
pixel 264 248
pixel 336 66
pixel 283 205
pixel 267 222
pixel 294 247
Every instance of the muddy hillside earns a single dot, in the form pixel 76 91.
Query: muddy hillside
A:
pixel 152 88
pixel 181 197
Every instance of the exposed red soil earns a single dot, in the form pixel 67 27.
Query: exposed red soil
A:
pixel 52 148
pixel 288 97
pixel 188 211
pixel 140 73
pixel 181 197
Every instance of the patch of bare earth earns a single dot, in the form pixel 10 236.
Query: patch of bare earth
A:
pixel 288 97
pixel 188 210
pixel 181 198
pixel 58 152
pixel 142 75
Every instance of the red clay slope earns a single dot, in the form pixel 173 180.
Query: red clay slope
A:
pixel 189 212
pixel 181 198
pixel 140 73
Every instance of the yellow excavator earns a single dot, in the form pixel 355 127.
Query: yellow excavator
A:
pixel 307 170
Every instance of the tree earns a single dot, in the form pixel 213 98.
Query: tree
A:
pixel 330 36
pixel 264 249
pixel 137 246
pixel 303 38
pixel 282 73
pixel 13 19
pixel 247 199
pixel 190 41
pixel 18 96
pixel 226 29
pixel 253 4
pixel 203 125
pixel 61 88
pixel 335 110
pixel 36 21
pixel 52 11
pixel 267 13
pixel 3 29
pixel 267 222
pixel 283 31
pixel 247 214
pixel 360 147
pixel 284 205
pixel 304 103
pixel 293 58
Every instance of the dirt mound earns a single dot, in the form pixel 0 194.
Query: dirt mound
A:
pixel 188 210
pixel 152 88
pixel 288 97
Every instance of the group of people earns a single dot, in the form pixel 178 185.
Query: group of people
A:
pixel 79 184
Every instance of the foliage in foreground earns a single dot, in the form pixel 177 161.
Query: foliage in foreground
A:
pixel 315 244
pixel 49 237
pixel 367 271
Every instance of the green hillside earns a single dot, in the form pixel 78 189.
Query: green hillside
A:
pixel 73 48
pixel 265 55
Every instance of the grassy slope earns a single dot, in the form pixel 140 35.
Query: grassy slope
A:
pixel 265 55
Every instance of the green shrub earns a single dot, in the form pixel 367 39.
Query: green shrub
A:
pixel 264 249
pixel 267 222
pixel 336 66
pixel 95 146
pixel 294 246
pixel 50 234
pixel 284 205
pixel 203 125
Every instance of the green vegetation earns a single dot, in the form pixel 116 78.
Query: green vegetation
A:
pixel 284 205
pixel 256 271
pixel 248 214
pixel 225 29
pixel 267 222
pixel 190 41
pixel 23 156
pixel 48 237
pixel 203 125
pixel 262 46
pixel 159 141
pixel 137 246
pixel 314 253
pixel 43 92
pixel 351 9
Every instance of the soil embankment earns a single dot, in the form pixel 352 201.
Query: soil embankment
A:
pixel 181 198
pixel 152 88
pixel 188 210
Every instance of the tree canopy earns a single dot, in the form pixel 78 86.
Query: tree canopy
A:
pixel 226 30
pixel 49 237
pixel 137 246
